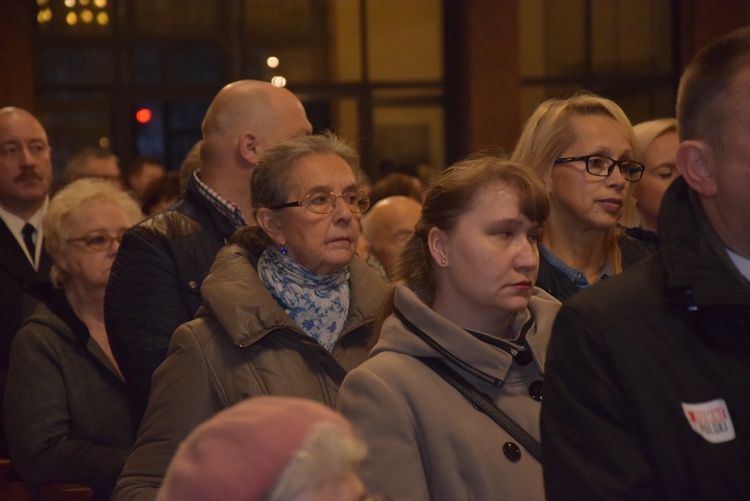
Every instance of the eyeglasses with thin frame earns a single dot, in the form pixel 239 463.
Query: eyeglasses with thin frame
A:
pixel 321 202
pixel 602 166
pixel 97 240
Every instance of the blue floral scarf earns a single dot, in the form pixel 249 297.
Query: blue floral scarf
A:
pixel 319 304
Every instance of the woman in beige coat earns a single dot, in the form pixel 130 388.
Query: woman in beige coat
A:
pixel 467 297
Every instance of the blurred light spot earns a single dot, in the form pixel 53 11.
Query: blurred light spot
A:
pixel 278 81
pixel 70 3
pixel 104 142
pixel 44 15
pixel 272 62
pixel 71 18
pixel 84 2
pixel 102 18
pixel 143 115
pixel 100 3
pixel 87 16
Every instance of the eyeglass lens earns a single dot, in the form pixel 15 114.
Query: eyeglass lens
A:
pixel 324 203
pixel 603 166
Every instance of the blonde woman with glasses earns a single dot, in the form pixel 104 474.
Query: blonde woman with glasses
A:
pixel 584 150
pixel 66 408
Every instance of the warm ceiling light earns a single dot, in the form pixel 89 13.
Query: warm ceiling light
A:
pixel 272 62
pixel 87 16
pixel 100 3
pixel 44 15
pixel 102 18
pixel 70 3
pixel 278 81
pixel 71 18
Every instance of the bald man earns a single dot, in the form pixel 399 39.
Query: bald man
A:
pixel 388 226
pixel 155 280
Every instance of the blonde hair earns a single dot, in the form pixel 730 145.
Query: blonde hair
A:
pixel 328 454
pixel 549 131
pixel 645 134
pixel 68 202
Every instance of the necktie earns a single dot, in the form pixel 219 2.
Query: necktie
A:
pixel 28 239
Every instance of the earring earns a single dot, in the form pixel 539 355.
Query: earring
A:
pixel 283 249
pixel 442 261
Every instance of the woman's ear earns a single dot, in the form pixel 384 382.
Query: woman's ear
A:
pixel 61 261
pixel 437 242
pixel 697 163
pixel 270 223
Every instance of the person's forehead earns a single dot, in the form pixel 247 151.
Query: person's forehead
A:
pixel 320 170
pixel 21 126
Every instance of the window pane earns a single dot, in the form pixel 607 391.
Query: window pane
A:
pixel 345 52
pixel 75 65
pixel 631 38
pixel 154 65
pixel 294 31
pixel 405 39
pixel 176 18
pixel 552 38
pixel 194 65
pixel 72 121
pixel 410 136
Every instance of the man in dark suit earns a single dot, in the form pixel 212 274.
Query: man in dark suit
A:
pixel 25 180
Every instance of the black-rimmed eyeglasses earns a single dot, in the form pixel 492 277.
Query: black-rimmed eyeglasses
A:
pixel 325 202
pixel 599 165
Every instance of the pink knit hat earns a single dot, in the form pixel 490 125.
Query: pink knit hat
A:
pixel 238 454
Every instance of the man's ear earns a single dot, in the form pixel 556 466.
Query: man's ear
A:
pixel 270 223
pixel 437 242
pixel 697 163
pixel 249 147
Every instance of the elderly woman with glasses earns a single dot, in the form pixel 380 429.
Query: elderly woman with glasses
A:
pixel 288 307
pixel 584 150
pixel 66 409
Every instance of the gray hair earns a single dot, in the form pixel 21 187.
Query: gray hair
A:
pixel 326 455
pixel 76 166
pixel 270 180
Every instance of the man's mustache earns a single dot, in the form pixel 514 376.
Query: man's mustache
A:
pixel 28 175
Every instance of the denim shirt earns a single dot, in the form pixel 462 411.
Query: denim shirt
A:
pixel 575 276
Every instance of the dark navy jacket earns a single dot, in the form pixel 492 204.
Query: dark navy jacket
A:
pixel 648 374
pixel 154 286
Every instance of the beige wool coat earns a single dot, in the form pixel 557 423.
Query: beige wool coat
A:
pixel 426 441
pixel 240 345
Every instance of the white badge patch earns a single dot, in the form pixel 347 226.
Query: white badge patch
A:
pixel 710 420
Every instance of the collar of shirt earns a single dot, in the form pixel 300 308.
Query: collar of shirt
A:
pixel 225 207
pixel 742 263
pixel 575 276
pixel 15 224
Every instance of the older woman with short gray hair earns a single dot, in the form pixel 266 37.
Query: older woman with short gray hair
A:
pixel 288 307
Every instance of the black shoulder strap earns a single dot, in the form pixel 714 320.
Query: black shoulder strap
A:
pixel 481 402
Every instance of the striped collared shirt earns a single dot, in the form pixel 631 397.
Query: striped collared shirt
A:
pixel 225 207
